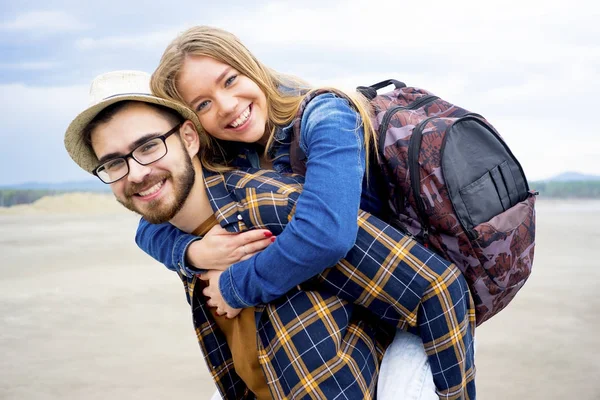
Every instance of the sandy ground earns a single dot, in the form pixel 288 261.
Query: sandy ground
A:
pixel 84 314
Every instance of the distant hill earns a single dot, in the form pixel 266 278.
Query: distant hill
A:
pixel 573 185
pixel 26 193
pixel 571 176
pixel 68 203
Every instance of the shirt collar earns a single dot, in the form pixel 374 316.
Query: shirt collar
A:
pixel 222 201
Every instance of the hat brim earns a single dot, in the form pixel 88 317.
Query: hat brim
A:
pixel 83 154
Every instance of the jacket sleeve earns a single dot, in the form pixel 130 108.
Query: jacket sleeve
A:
pixel 324 226
pixel 166 244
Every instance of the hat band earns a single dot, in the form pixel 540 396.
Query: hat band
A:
pixel 127 94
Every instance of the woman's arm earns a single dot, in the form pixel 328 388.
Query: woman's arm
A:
pixel 324 226
pixel 166 244
pixel 186 253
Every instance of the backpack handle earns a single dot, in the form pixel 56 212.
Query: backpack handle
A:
pixel 370 92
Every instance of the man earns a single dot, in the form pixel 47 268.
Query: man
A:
pixel 311 342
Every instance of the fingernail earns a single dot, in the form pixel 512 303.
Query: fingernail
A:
pixel 272 239
pixel 268 234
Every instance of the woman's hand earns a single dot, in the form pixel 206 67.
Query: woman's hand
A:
pixel 215 299
pixel 219 248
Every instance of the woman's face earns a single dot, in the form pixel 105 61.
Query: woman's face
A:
pixel 230 106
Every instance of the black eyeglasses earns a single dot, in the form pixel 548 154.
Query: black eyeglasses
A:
pixel 148 152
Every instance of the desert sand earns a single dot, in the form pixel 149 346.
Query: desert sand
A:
pixel 86 315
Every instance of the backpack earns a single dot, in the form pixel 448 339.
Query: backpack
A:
pixel 454 185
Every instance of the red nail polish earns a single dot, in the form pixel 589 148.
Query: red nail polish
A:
pixel 268 234
pixel 272 239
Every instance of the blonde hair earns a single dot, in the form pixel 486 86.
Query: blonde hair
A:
pixel 225 47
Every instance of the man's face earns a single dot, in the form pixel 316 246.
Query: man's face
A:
pixel 156 191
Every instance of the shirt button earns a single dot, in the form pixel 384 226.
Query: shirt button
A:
pixel 239 217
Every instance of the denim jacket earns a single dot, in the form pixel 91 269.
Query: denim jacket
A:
pixel 324 225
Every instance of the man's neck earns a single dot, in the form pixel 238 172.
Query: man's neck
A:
pixel 196 208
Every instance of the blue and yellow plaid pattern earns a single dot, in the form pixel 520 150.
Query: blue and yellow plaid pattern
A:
pixel 311 345
pixel 319 342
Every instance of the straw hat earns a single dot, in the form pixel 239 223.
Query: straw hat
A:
pixel 108 89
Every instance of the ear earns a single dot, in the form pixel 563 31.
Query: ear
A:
pixel 190 138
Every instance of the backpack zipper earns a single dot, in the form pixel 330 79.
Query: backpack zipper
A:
pixel 414 146
pixel 390 113
pixel 383 128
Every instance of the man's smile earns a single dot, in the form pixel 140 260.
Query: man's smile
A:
pixel 152 190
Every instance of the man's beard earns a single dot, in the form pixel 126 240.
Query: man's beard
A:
pixel 162 210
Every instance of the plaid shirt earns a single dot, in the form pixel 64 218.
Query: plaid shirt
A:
pixel 319 342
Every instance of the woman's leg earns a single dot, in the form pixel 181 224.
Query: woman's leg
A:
pixel 405 372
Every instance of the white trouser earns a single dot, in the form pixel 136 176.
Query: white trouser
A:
pixel 405 373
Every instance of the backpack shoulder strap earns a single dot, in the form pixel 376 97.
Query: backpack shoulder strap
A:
pixel 297 156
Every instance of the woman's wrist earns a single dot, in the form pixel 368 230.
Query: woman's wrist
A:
pixel 191 254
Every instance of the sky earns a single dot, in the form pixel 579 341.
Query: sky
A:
pixel 532 68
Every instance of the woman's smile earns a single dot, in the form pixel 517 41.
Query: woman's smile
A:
pixel 242 121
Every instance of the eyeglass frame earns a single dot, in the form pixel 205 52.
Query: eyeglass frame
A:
pixel 129 155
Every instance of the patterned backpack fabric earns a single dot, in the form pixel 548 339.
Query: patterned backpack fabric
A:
pixel 455 186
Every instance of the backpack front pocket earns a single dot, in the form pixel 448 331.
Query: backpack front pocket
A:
pixel 505 243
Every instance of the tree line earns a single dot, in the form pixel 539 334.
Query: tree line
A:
pixel 567 189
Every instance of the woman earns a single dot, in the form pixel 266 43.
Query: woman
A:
pixel 248 110
pixel 245 113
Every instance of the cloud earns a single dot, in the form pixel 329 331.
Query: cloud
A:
pixel 32 128
pixel 357 24
pixel 152 40
pixel 548 146
pixel 530 70
pixel 45 21
pixel 484 43
pixel 30 65
pixel 24 99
